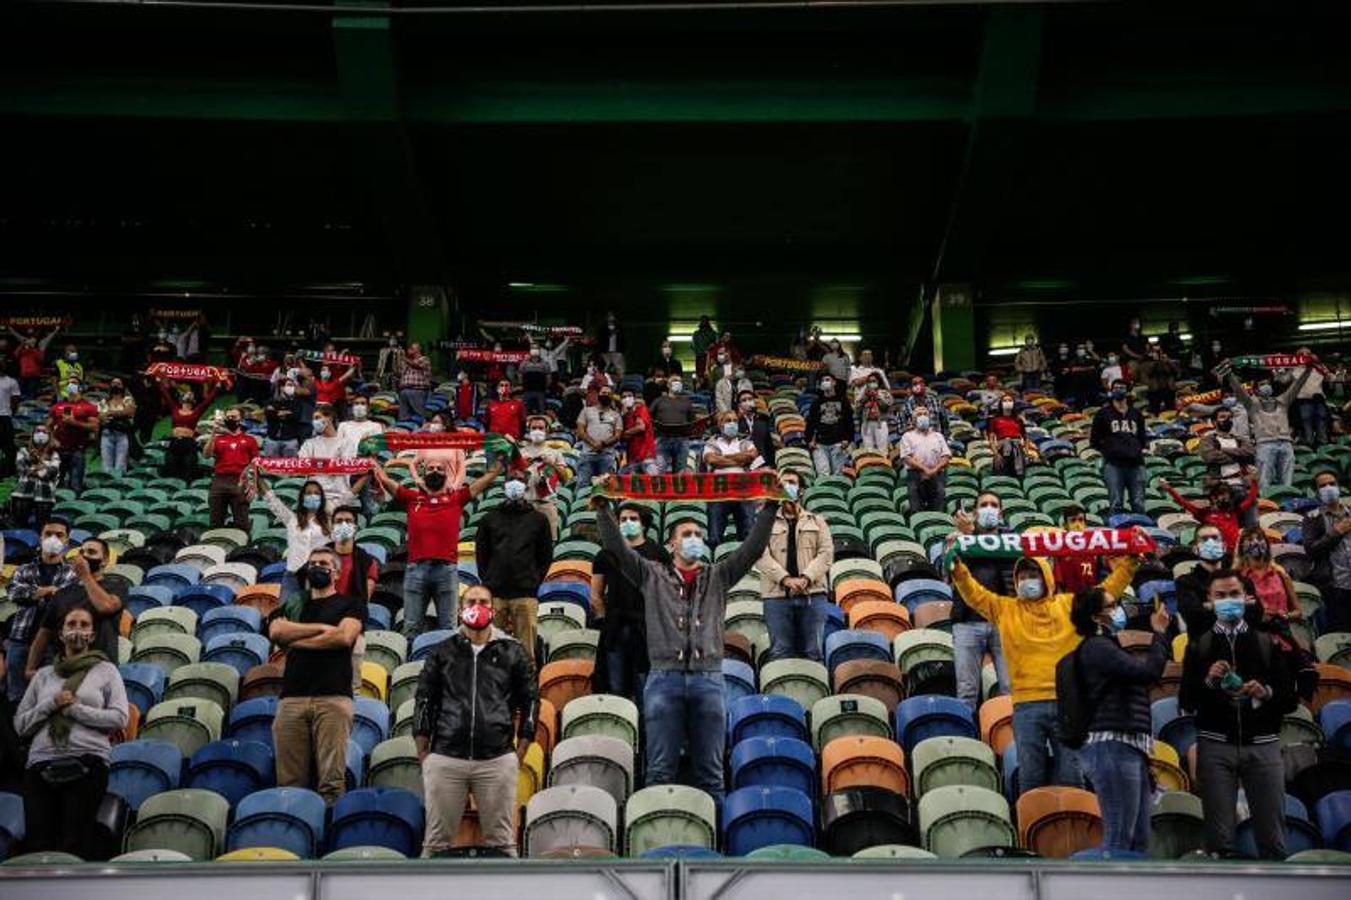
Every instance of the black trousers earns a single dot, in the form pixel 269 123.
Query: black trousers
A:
pixel 61 818
pixel 7 449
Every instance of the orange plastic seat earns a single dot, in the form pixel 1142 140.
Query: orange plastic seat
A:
pixel 133 726
pixel 565 680
pixel 124 624
pixel 261 681
pixel 737 646
pixel 1334 683
pixel 887 617
pixel 470 832
pixel 872 678
pixel 996 723
pixel 935 612
pixel 856 590
pixel 1057 822
pixel 546 726
pixel 569 570
pixel 864 761
pixel 263 597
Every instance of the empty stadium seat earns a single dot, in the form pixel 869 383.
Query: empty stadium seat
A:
pixel 234 769
pixel 848 645
pixel 241 650
pixel 738 680
pixel 1335 720
pixel 959 818
pixel 370 723
pixel 863 761
pixel 1177 825
pixel 946 760
pixel 871 678
pixel 848 714
pixel 598 760
pixel 919 718
pixel 996 722
pixel 565 680
pixel 212 681
pixel 403 683
pixel 394 763
pixel 862 817
pixel 892 852
pixel 801 679
pixel 142 768
pixel 667 816
pixel 1334 820
pixel 190 724
pixel 378 817
pixel 251 720
pixel 388 648
pixel 601 714
pixel 885 617
pixel 763 816
pixel 1300 832
pixel 765 716
pixel 1058 821
pixel 768 761
pixel 168 651
pixel 230 619
pixel 187 820
pixel 288 818
pixel 144 684
pixel 1176 728
pixel 570 817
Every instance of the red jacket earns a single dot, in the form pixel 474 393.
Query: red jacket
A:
pixel 506 417
pixel 1225 520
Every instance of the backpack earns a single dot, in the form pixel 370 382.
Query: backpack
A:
pixel 1074 708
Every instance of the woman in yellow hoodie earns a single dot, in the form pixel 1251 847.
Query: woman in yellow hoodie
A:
pixel 1035 631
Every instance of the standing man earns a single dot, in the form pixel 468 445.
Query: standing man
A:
pixel 232 450
pixel 476 693
pixel 611 343
pixel 285 427
pixel 514 548
pixel 972 635
pixel 314 714
pixel 617 607
pixel 754 424
pixel 830 428
pixel 672 416
pixel 701 342
pixel 793 573
pixel 1119 435
pixel 1030 363
pixel 1269 419
pixel 1326 527
pixel 89 591
pixel 683 703
pixel 433 539
pixel 598 428
pixel 75 422
pixel 1240 687
pixel 544 467
pixel 1193 586
pixel 926 455
pixel 414 383
pixel 9 405
pixel 535 375
pixel 640 454
pixel 726 453
pixel 31 589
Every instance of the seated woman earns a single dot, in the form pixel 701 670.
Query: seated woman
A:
pixel 69 710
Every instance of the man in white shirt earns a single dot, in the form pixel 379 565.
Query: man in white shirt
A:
pixel 925 453
pixel 9 404
pixel 726 453
pixel 544 467
pixel 859 373
pixel 354 431
pixel 328 444
pixel 1111 373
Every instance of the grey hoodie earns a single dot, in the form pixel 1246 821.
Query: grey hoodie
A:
pixel 684 623
pixel 1269 418
pixel 100 708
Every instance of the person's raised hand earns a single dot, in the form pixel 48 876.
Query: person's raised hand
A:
pixel 1159 619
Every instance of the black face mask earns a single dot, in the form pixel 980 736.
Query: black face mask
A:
pixel 435 480
pixel 94 564
pixel 1226 426
pixel 318 577
pixel 232 424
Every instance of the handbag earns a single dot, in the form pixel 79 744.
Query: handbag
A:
pixel 60 772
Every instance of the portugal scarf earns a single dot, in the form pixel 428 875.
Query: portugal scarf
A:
pixel 37 321
pixel 763 484
pixel 786 364
pixel 398 441
pixel 189 372
pixel 1089 542
pixel 335 359
pixel 1273 361
pixel 502 356
pixel 294 465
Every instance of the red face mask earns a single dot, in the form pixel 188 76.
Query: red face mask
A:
pixel 477 616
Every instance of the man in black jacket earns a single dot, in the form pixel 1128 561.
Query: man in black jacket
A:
pixel 1326 527
pixel 830 428
pixel 756 426
pixel 514 549
pixel 1193 586
pixel 618 606
pixel 1239 685
pixel 1119 435
pixel 476 694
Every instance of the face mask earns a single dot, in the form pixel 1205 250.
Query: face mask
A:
pixel 1064 351
pixel 1211 549
pixel 162 336
pixel 740 374
pixel 1111 360
pixel 1329 494
pixel 52 545
pixel 729 429
pixel 665 351
pixel 1030 589
pixel 692 547
pixel 537 436
pixel 534 353
pixel 987 517
pixel 722 357
pixel 462 378
pixel 514 490
pixel 477 616
pixel 77 641
pixel 626 402
pixel 1118 618
pixel 40 438
pixel 435 480
pixel 835 348
pixel 358 411
pixel 1229 402
pixel 72 390
pixel 232 424
pixel 1225 426
pixel 115 389
pixel 250 349
pixel 503 390
pixel 1264 391
pixel 630 528
pixel 606 400
pixel 1117 395
pixel 344 532
pixel 320 425
pixel 791 488
pixel 325 374
pixel 435 427
pixel 394 342
pixel 1081 352
pixel 318 577
pixel 675 387
pixel 1229 609
pixel 72 356
pixel 1255 549
pixel 922 423
pixel 827 387
pixel 293 374
pixel 312 501
pixel 94 563
pixel 1214 348
pixel 1007 407
pixel 289 390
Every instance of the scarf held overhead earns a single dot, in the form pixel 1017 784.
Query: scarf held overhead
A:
pixel 1273 361
pixel 399 441
pixel 502 356
pixel 786 364
pixel 189 372
pixel 691 486
pixel 294 465
pixel 337 359
pixel 1089 542
pixel 37 321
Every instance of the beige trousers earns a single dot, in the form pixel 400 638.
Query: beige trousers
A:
pixel 448 782
pixel 313 728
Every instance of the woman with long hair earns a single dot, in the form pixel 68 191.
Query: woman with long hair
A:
pixel 307 527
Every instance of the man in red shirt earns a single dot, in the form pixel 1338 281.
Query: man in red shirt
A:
pixel 75 422
pixel 641 447
pixel 506 415
pixel 233 450
pixel 433 540
pixel 31 355
pixel 1075 572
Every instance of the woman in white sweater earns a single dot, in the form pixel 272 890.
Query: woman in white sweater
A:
pixel 307 527
pixel 69 711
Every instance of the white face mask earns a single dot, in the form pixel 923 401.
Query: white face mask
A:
pixel 52 545
pixel 289 390
pixel 435 427
pixel 358 411
pixel 40 438
pixel 675 387
pixel 626 402
pixel 537 436
pixel 344 532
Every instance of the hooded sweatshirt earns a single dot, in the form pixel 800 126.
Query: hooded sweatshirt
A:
pixel 1035 634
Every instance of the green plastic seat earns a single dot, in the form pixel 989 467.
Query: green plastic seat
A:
pixel 384 535
pixel 747 618
pixel 842 715
pixel 574 643
pixel 1300 727
pixel 189 723
pixel 387 648
pixel 557 616
pixel 958 818
pixel 190 821
pixel 394 763
pixel 1334 648
pixel 403 719
pixel 789 853
pixel 217 682
pixel 164 620
pixel 1177 825
pixel 150 523
pixel 854 568
pixel 98 522
pixel 942 761
pixel 1321 857
pixel 920 645
pixel 226 538
pixel 41 858
pixel 602 715
pixel 133 574
pixel 587 550
pixel 669 815
pixel 893 851
pixel 168 651
pixel 802 680
pixel 364 854
pixel 403 683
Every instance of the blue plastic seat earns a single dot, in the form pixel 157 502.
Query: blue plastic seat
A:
pixel 1335 718
pixel 1009 773
pixel 140 769
pixel 286 818
pixel 11 823
pixel 1127 520
pixel 769 761
pixel 144 684
pixel 1334 820
pixel 273 573
pixel 738 680
pixel 252 720
pixel 147 596
pixel 915 591
pixel 1173 726
pixel 243 651
pixel 370 723
pixel 356 765
pixel 231 619
pixel 757 817
pixel 1160 588
pixel 175 576
pixel 1300 832
pixel 378 817
pixel 378 618
pixel 681 851
pixel 378 552
pixel 851 644
pixel 17 539
pixel 1101 853
pixel 425 642
pixel 232 768
pixel 932 715
pixel 835 621
pixel 566 592
pixel 766 715
pixel 202 598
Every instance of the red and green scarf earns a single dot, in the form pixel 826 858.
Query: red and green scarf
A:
pixel 1274 361
pixel 294 465
pixel 399 441
pixel 189 372
pixel 502 356
pixel 761 485
pixel 1053 544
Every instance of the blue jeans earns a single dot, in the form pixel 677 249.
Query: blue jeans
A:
pixel 830 459
pixel 72 469
pixel 16 660
pixel 623 672
pixel 280 448
pixel 535 402
pixel 590 465
pixel 428 580
pixel 970 642
pixel 412 401
pixel 1122 479
pixel 1031 381
pixel 1120 776
pixel 114 446
pixel 1034 723
pixel 671 452
pixel 685 710
pixel 1313 420
pixel 796 627
pixel 1275 463
pixel 739 510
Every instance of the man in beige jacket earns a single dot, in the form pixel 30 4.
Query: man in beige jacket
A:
pixel 794 569
pixel 1030 363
